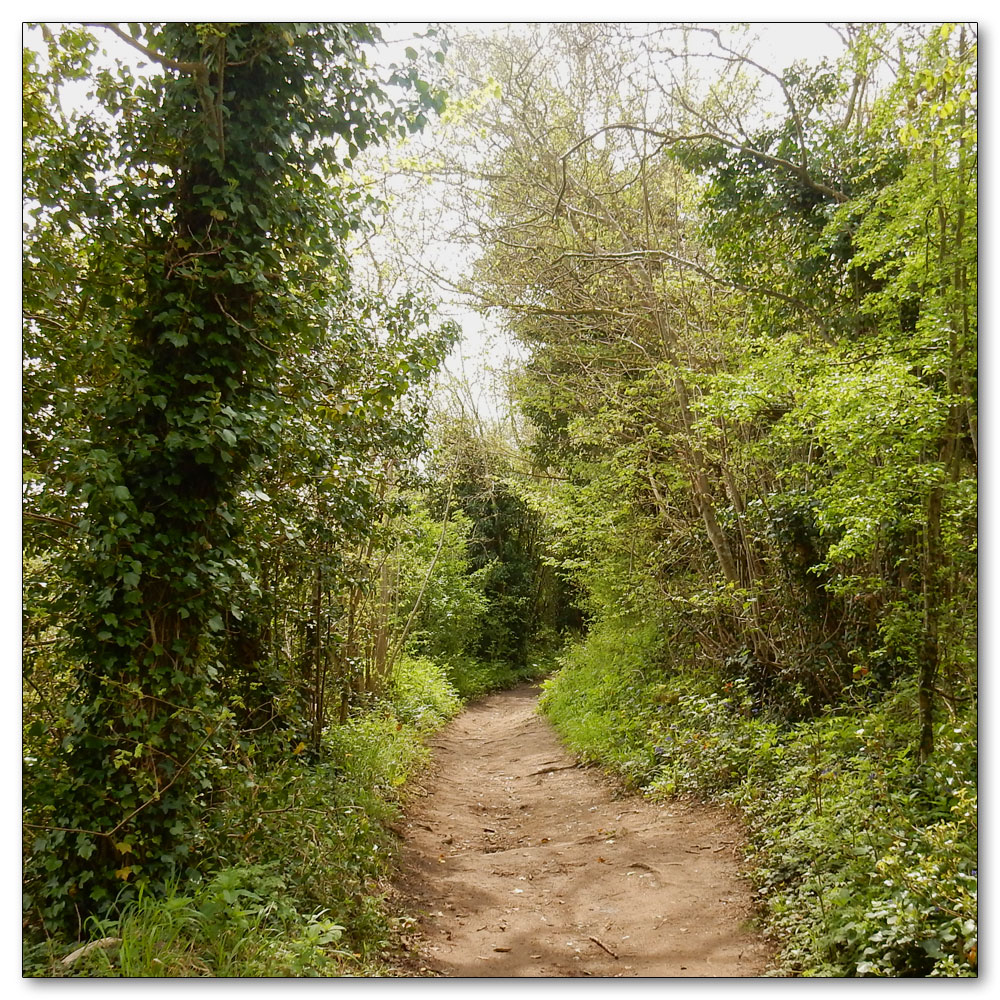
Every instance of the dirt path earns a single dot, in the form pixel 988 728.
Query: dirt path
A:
pixel 519 863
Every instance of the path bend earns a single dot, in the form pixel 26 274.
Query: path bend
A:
pixel 518 862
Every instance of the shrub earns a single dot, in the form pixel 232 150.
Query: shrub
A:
pixel 294 862
pixel 421 693
pixel 604 699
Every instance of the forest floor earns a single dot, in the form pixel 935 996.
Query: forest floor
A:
pixel 518 862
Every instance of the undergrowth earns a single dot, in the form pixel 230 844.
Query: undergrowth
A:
pixel 296 860
pixel 474 678
pixel 864 859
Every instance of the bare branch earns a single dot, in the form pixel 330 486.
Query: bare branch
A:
pixel 798 170
pixel 197 69
pixel 62 522
pixel 692 265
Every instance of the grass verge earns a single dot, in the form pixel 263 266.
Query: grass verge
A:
pixel 297 854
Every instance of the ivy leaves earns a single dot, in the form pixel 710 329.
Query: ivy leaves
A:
pixel 218 260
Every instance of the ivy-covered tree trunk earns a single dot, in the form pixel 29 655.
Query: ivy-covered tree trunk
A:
pixel 241 230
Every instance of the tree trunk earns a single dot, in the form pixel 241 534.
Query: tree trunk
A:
pixel 929 651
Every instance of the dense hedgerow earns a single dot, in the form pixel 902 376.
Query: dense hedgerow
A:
pixel 302 849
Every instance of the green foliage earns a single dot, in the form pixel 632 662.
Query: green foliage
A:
pixel 300 850
pixel 932 913
pixel 750 369
pixel 421 693
pixel 602 700
pixel 505 543
pixel 374 752
pixel 452 602
pixel 472 678
pixel 242 922
pixel 189 296
pixel 750 375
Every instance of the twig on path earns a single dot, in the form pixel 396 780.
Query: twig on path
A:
pixel 546 770
pixel 601 944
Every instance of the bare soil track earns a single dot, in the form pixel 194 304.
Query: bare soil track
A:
pixel 518 862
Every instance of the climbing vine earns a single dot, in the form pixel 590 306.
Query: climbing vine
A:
pixel 226 186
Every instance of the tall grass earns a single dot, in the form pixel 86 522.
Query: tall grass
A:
pixel 296 857
pixel 242 922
